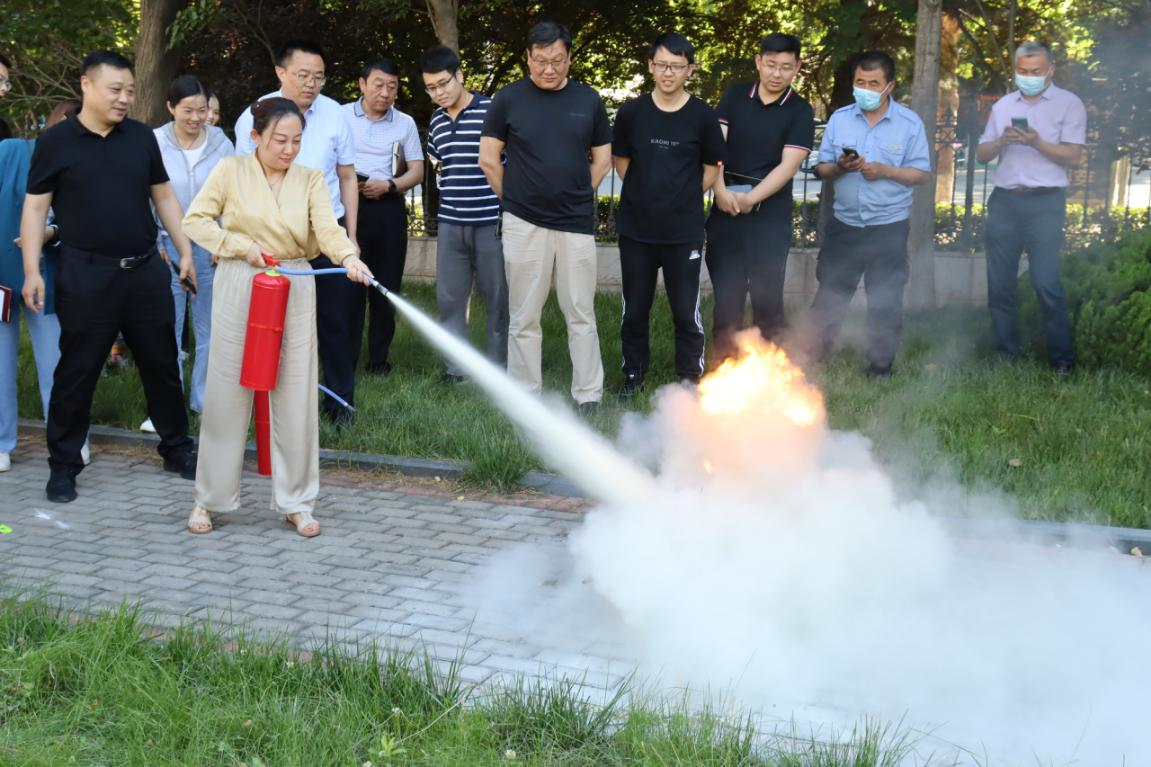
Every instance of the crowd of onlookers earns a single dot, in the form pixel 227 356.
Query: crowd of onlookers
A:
pixel 123 229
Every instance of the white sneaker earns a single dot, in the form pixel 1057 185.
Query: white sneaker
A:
pixel 5 462
pixel 86 453
pixel 148 427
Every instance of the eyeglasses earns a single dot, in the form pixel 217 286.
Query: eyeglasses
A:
pixel 671 69
pixel 435 88
pixel 310 78
pixel 545 64
pixel 5 84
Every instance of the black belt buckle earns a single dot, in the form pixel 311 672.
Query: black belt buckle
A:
pixel 131 262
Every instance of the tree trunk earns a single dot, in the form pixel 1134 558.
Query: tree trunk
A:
pixel 924 100
pixel 156 65
pixel 948 112
pixel 445 21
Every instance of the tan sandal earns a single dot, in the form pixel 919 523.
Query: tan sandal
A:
pixel 200 521
pixel 304 523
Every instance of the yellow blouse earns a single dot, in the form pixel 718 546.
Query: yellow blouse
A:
pixel 301 224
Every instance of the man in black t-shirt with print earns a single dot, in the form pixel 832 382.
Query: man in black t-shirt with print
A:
pixel 770 131
pixel 667 148
pixel 556 136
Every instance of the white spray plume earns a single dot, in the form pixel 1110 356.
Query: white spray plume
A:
pixel 773 558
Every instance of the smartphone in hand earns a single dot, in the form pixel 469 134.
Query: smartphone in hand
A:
pixel 1019 124
pixel 850 153
pixel 361 178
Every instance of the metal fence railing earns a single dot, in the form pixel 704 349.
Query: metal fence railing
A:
pixel 1107 196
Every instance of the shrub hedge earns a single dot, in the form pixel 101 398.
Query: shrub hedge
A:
pixel 1109 297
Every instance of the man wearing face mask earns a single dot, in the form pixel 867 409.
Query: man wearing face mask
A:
pixel 874 151
pixel 1037 132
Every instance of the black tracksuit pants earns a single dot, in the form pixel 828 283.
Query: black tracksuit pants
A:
pixel 640 263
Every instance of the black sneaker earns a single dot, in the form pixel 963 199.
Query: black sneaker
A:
pixel 382 369
pixel 632 383
pixel 182 463
pixel 878 372
pixel 61 487
pixel 449 379
pixel 587 409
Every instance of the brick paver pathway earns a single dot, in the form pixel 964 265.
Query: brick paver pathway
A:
pixel 398 563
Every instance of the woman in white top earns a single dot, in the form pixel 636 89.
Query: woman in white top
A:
pixel 191 149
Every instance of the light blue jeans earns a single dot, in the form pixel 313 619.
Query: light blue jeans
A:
pixel 45 332
pixel 201 316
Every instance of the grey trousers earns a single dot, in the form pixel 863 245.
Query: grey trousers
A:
pixel 464 253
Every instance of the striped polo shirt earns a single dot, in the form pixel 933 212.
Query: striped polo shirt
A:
pixel 466 199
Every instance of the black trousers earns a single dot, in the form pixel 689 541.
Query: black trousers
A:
pixel 640 263
pixel 383 236
pixel 95 301
pixel 339 331
pixel 878 255
pixel 747 254
pixel 1031 222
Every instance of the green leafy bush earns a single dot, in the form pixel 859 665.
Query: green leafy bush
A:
pixel 1109 297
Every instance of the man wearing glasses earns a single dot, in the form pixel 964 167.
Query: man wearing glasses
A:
pixel 557 139
pixel 770 131
pixel 327 146
pixel 467 248
pixel 388 163
pixel 667 148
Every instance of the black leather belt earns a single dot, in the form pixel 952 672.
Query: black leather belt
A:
pixel 131 262
pixel 1028 191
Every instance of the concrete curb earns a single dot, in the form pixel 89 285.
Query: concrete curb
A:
pixel 1122 538
pixel 552 484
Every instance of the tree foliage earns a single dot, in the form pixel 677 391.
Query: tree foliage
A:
pixel 46 41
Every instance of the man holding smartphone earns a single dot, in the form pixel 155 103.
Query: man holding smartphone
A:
pixel 1037 132
pixel 874 151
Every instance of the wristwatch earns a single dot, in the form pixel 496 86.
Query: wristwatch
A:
pixel 55 234
pixel 391 186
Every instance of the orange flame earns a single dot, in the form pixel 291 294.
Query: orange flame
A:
pixel 761 380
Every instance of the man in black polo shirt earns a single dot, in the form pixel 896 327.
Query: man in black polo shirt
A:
pixel 99 172
pixel 557 138
pixel 667 149
pixel 770 131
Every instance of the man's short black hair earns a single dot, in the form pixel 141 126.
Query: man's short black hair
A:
pixel 545 33
pixel 870 61
pixel 675 44
pixel 105 59
pixel 439 58
pixel 4 60
pixel 387 66
pixel 301 45
pixel 778 42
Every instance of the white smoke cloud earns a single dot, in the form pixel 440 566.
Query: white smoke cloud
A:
pixel 794 576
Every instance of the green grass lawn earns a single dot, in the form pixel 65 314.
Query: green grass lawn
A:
pixel 1061 449
pixel 99 692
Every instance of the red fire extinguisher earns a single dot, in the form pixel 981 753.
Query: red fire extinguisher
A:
pixel 262 343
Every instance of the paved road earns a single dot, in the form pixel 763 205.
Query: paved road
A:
pixel 398 563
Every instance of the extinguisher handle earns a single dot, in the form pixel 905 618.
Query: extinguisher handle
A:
pixel 270 260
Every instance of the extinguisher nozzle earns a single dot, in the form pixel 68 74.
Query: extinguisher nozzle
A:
pixel 376 284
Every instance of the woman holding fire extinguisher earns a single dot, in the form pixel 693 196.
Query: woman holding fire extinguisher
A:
pixel 251 206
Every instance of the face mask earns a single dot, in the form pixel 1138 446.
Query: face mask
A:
pixel 867 100
pixel 1031 85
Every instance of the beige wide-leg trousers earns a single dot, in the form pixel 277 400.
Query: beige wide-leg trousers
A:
pixel 228 406
pixel 531 254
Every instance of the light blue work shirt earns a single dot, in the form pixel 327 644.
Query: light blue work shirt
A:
pixel 898 139
pixel 375 138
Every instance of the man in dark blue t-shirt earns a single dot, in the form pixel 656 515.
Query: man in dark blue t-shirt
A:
pixel 667 147
pixel 548 126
